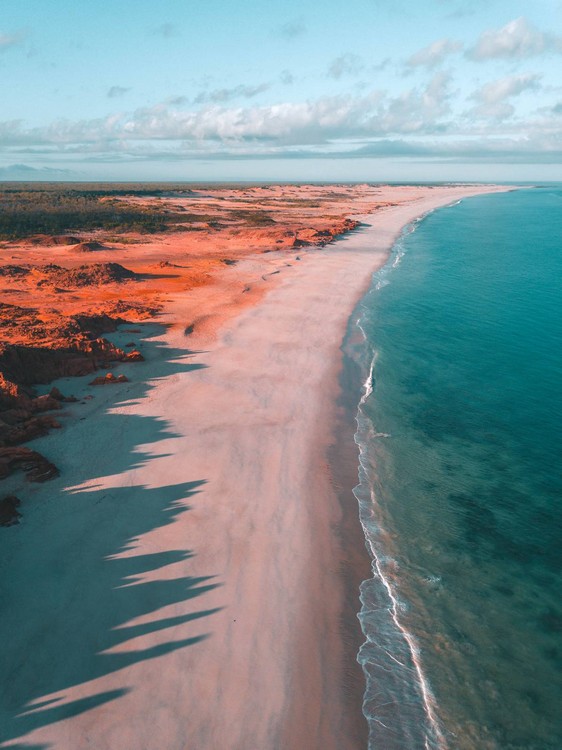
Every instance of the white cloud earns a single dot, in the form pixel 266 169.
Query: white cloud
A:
pixel 116 91
pixel 492 111
pixel 434 54
pixel 217 96
pixel 177 101
pixel 377 67
pixel 372 124
pixel 418 110
pixel 516 40
pixel 348 64
pixel 492 97
pixel 504 88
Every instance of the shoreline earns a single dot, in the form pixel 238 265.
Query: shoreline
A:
pixel 252 476
pixel 343 457
pixel 343 461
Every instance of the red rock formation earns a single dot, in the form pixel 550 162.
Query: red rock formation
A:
pixel 90 246
pixel 27 365
pixel 57 395
pixel 92 274
pixel 70 346
pixel 36 466
pixel 134 356
pixel 109 379
pixel 26 428
pixel 306 237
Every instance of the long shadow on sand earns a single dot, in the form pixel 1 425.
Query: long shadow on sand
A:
pixel 73 586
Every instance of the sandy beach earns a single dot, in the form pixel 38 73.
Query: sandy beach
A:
pixel 187 582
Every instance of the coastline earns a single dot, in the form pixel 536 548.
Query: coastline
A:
pixel 264 424
pixel 431 549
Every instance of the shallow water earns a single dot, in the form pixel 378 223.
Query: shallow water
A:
pixel 460 432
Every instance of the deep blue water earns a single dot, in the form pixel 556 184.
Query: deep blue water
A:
pixel 461 480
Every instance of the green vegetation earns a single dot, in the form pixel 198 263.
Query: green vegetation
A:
pixel 52 209
pixel 252 218
pixel 100 189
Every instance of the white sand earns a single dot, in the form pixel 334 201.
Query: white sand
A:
pixel 179 587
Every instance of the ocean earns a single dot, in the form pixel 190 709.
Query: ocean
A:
pixel 460 492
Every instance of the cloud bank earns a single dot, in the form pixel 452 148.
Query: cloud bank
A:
pixel 216 96
pixel 493 95
pixel 434 54
pixel 503 117
pixel 517 40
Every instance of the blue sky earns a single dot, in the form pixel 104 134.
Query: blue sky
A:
pixel 220 89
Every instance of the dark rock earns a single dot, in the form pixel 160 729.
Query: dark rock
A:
pixel 109 379
pixel 9 515
pixel 45 403
pixel 36 466
pixel 14 272
pixel 89 247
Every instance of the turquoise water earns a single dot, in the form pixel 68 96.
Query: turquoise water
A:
pixel 460 431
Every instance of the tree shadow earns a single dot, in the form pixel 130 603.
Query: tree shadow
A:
pixel 75 579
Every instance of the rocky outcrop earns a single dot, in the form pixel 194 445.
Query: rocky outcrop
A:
pixel 36 466
pixel 22 414
pixel 109 379
pixel 93 274
pixel 28 365
pixel 28 327
pixel 91 246
pixel 56 346
pixel 307 237
pixel 68 346
pixel 27 427
pixel 9 514
pixel 22 417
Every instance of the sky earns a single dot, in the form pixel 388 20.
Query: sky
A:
pixel 363 90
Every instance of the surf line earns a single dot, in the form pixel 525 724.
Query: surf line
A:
pixel 438 740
